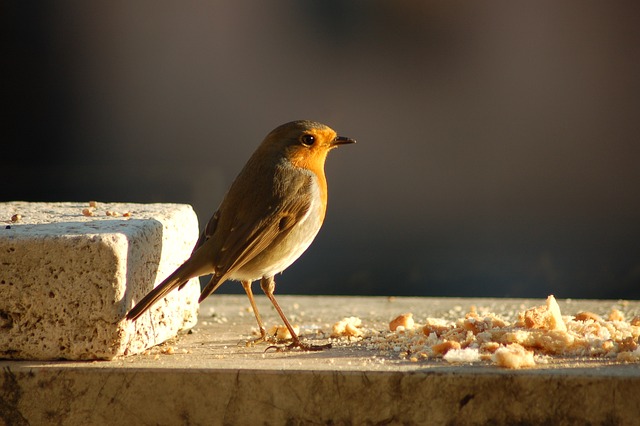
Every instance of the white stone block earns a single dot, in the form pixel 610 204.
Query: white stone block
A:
pixel 67 279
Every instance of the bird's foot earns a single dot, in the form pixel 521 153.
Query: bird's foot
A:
pixel 263 338
pixel 257 341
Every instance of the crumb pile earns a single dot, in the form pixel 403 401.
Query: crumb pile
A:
pixel 538 334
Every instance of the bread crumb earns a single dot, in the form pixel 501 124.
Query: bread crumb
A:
pixel 628 344
pixel 513 356
pixel 466 355
pixel 281 332
pixel 477 324
pixel 444 347
pixel 631 356
pixel 87 212
pixel 347 327
pixel 16 218
pixel 587 316
pixel 546 317
pixel 405 321
pixel 437 326
pixel 490 347
pixel 616 315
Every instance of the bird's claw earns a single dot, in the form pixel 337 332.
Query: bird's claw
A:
pixel 263 338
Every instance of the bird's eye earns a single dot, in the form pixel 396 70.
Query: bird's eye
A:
pixel 307 140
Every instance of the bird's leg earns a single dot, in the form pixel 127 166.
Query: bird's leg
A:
pixel 263 331
pixel 268 285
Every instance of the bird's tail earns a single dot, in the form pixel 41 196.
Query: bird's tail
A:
pixel 177 279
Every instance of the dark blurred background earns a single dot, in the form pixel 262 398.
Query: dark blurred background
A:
pixel 497 154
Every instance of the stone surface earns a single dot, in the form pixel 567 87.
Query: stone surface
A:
pixel 210 376
pixel 67 278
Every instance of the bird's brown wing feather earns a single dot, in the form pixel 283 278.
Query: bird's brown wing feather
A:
pixel 244 240
pixel 208 231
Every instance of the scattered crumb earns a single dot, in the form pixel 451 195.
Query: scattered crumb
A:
pixel 490 347
pixel 169 350
pixel 93 204
pixel 16 218
pixel 444 347
pixel 87 212
pixel 347 327
pixel 538 334
pixel 126 214
pixel 437 326
pixel 404 321
pixel 587 316
pixel 513 356
pixel 281 332
pixel 632 356
pixel 544 317
pixel 466 355
pixel 616 315
pixel 112 213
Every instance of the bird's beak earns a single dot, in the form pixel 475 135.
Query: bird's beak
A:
pixel 342 140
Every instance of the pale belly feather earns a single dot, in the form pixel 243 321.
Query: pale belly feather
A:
pixel 278 257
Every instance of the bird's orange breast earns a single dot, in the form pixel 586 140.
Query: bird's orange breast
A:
pixel 314 162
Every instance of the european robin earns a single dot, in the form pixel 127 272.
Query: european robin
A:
pixel 268 218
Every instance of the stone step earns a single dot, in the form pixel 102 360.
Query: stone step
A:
pixel 210 375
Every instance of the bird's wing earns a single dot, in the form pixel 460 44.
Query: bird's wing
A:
pixel 208 231
pixel 244 239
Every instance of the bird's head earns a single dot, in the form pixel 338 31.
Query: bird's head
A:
pixel 305 143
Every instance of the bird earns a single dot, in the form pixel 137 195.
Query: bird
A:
pixel 270 215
